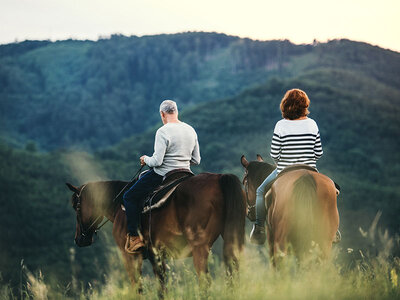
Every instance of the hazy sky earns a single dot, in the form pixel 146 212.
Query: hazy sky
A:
pixel 376 22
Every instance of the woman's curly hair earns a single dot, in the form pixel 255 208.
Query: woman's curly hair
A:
pixel 295 104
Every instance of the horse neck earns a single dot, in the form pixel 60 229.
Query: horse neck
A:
pixel 258 171
pixel 110 204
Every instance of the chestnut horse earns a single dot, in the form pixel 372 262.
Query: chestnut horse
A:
pixel 201 209
pixel 301 208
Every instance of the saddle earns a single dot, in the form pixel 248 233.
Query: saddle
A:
pixel 289 169
pixel 159 197
pixel 302 167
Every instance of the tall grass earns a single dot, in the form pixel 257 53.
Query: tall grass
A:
pixel 368 273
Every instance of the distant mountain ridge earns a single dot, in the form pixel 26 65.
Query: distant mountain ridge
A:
pixel 91 95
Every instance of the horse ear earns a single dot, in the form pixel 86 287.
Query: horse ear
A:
pixel 244 161
pixel 259 158
pixel 72 188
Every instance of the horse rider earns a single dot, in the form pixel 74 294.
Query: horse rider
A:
pixel 176 147
pixel 296 140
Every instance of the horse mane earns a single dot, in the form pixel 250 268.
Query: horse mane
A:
pixel 95 188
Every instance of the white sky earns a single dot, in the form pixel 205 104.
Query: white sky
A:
pixel 376 22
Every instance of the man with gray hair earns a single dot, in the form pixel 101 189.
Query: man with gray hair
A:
pixel 176 147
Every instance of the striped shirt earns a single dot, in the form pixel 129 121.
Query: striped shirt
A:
pixel 296 142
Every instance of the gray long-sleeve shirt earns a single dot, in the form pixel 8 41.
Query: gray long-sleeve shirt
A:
pixel 176 146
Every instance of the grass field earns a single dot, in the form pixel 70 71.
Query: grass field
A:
pixel 371 273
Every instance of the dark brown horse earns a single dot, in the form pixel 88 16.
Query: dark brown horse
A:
pixel 301 207
pixel 201 209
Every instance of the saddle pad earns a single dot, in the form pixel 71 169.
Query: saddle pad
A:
pixel 303 167
pixel 159 203
pixel 287 170
pixel 297 167
pixel 160 196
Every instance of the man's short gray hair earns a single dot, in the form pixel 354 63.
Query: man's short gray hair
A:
pixel 169 107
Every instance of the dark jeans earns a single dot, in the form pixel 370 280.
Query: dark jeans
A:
pixel 134 199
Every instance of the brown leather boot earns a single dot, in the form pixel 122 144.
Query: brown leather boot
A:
pixel 134 244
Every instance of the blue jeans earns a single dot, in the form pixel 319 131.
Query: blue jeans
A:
pixel 134 199
pixel 261 211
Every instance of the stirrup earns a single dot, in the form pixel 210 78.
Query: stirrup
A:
pixel 257 235
pixel 137 245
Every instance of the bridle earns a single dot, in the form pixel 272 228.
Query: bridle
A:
pixel 246 189
pixel 84 232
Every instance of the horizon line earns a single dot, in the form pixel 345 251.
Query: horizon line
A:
pixel 109 36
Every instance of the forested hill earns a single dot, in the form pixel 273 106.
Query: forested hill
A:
pixel 93 94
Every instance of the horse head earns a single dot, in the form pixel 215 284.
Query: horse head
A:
pixel 87 214
pixel 255 173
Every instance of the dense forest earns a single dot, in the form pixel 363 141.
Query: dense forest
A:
pixel 93 94
pixel 79 111
pixel 87 94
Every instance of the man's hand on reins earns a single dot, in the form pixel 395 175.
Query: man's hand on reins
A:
pixel 142 163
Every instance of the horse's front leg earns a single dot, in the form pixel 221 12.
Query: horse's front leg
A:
pixel 133 262
pixel 133 265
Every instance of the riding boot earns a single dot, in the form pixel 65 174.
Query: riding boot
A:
pixel 257 235
pixel 134 244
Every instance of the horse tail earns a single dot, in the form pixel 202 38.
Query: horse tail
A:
pixel 303 201
pixel 234 219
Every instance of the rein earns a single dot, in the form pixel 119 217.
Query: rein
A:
pixel 246 189
pixel 78 210
pixel 132 179
pixel 78 207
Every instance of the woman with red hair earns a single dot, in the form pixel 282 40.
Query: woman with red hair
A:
pixel 296 140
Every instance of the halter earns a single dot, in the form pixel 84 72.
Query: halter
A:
pixel 246 188
pixel 78 207
pixel 79 215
